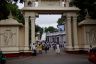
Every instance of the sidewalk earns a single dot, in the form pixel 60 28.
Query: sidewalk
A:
pixel 51 58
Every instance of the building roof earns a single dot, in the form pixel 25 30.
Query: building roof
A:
pixel 9 21
pixel 56 33
pixel 88 21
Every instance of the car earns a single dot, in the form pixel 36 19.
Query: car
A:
pixel 2 58
pixel 92 55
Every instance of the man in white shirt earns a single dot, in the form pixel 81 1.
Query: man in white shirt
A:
pixel 33 47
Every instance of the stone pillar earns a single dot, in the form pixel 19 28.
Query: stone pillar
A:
pixel 75 36
pixel 26 34
pixel 33 3
pixel 32 29
pixel 60 2
pixel 69 33
pixel 67 3
pixel 39 2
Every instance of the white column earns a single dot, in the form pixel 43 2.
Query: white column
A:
pixel 32 29
pixel 67 3
pixel 25 3
pixel 33 3
pixel 75 36
pixel 60 2
pixel 69 33
pixel 26 34
pixel 39 2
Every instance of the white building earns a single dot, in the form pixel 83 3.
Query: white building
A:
pixel 57 37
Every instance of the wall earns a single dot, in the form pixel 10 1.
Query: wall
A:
pixel 21 38
pixel 81 37
pixel 9 39
pixel 86 36
pixel 48 3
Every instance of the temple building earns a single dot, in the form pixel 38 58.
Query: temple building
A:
pixel 32 9
pixel 14 37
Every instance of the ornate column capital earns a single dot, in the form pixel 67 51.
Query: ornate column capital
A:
pixel 26 19
pixel 26 16
pixel 68 17
pixel 74 18
pixel 32 18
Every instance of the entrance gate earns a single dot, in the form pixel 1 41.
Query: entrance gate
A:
pixel 32 8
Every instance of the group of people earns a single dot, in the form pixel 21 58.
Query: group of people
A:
pixel 39 47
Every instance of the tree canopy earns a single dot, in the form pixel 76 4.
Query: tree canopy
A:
pixel 38 29
pixel 84 5
pixel 6 6
pixel 50 29
pixel 61 20
pixel 21 1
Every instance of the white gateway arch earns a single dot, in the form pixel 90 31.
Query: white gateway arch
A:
pixel 63 7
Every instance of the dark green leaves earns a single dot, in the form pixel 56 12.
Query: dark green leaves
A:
pixel 90 5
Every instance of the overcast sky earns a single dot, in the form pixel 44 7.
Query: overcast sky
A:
pixel 45 20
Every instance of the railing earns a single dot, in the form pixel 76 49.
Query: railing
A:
pixel 42 4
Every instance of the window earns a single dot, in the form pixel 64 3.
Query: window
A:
pixel 29 3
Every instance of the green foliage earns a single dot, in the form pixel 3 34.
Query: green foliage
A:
pixel 81 15
pixel 84 5
pixel 10 1
pixel 61 20
pixel 38 29
pixel 3 9
pixel 6 7
pixel 50 29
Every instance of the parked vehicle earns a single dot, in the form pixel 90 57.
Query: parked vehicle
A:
pixel 92 55
pixel 2 58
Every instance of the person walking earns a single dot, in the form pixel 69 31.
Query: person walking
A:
pixel 46 48
pixel 57 49
pixel 39 48
pixel 33 47
pixel 54 46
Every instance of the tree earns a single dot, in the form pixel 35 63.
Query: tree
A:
pixel 84 5
pixel 10 1
pixel 17 14
pixel 6 6
pixel 38 29
pixel 50 29
pixel 61 20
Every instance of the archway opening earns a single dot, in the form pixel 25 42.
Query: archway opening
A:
pixel 50 20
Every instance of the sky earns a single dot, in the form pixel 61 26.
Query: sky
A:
pixel 47 20
pixel 44 20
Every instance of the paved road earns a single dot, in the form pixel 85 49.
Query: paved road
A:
pixel 51 58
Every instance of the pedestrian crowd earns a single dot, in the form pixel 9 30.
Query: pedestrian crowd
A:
pixel 40 47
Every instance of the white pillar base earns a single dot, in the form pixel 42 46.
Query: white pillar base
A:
pixel 69 48
pixel 26 48
pixel 76 48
